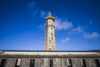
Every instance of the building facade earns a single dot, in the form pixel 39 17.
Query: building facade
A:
pixel 49 57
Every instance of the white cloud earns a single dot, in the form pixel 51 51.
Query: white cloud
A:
pixel 32 8
pixel 62 24
pixel 75 30
pixel 91 35
pixel 43 14
pixel 65 40
pixel 78 29
pixel 32 4
pixel 42 27
pixel 35 10
pixel 59 23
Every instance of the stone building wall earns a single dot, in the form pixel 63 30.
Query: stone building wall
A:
pixel 75 60
pixel 45 62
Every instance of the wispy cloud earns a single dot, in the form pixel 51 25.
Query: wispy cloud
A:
pixel 78 29
pixel 62 24
pixel 91 35
pixel 42 27
pixel 35 10
pixel 32 8
pixel 65 40
pixel 43 13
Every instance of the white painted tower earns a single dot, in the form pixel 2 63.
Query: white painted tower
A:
pixel 49 33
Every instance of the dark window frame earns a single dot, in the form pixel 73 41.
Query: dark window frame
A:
pixel 32 62
pixel 16 63
pixel 51 62
pixel 83 63
pixel 70 63
pixel 3 62
pixel 97 63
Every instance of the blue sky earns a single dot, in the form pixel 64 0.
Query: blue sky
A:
pixel 77 24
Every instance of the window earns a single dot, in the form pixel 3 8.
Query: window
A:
pixel 18 62
pixel 3 63
pixel 32 63
pixel 51 62
pixel 83 62
pixel 49 21
pixel 49 48
pixel 69 62
pixel 49 35
pixel 49 29
pixel 50 42
pixel 97 63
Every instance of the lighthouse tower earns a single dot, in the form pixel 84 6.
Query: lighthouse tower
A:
pixel 49 33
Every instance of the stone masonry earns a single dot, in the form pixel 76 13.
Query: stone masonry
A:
pixel 42 58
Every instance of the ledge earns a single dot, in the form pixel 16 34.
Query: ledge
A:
pixel 49 56
pixel 48 51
